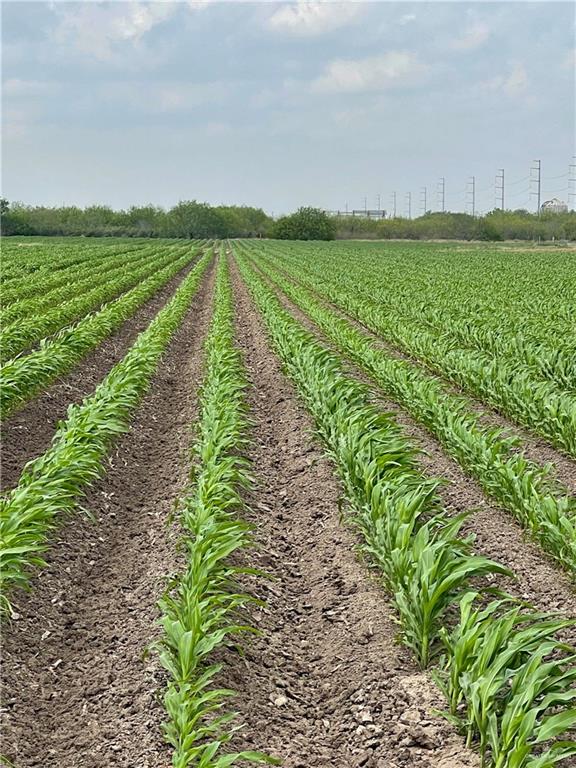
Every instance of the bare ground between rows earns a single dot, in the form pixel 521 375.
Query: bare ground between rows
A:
pixel 326 683
pixel 28 432
pixel 77 691
pixel 537 578
pixel 533 446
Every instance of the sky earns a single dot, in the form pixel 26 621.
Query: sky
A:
pixel 278 105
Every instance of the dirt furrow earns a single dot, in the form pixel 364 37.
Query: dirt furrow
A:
pixel 77 691
pixel 28 432
pixel 498 535
pixel 326 683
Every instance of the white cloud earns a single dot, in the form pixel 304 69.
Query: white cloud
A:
pixel 407 18
pixel 514 84
pixel 313 18
pixel 475 36
pixel 375 73
pixel 102 30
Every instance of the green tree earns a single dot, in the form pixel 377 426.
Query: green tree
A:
pixel 305 224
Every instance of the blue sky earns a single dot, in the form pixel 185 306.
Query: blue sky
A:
pixel 280 105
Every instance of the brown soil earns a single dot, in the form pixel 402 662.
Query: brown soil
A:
pixel 27 433
pixel 78 692
pixel 537 578
pixel 326 683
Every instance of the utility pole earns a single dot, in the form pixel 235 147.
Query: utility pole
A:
pixel 366 205
pixel 393 205
pixel 499 189
pixel 423 201
pixel 536 178
pixel 378 201
pixel 441 193
pixel 409 203
pixel 471 190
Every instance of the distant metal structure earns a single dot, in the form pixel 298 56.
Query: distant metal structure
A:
pixel 499 189
pixel 554 206
pixel 361 213
pixel 536 180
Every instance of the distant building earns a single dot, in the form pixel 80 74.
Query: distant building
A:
pixel 554 206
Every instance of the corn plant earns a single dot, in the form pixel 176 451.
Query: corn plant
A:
pixel 52 484
pixel 428 567
pixel 201 605
pixel 486 453
pixel 25 376
pixel 24 324
pixel 510 682
pixel 514 715
pixel 545 405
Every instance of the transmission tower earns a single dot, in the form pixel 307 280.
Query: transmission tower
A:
pixel 441 194
pixel 499 189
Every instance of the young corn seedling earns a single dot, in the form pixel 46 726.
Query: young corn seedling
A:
pixel 201 606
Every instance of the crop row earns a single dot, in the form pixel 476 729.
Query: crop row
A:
pixel 25 376
pixel 505 691
pixel 80 279
pixel 51 484
pixel 439 307
pixel 539 405
pixel 519 485
pixel 50 261
pixel 483 293
pixel 201 604
pixel 24 333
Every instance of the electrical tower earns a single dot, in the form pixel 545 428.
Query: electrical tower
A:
pixel 499 189
pixel 409 204
pixel 471 193
pixel 572 184
pixel 423 200
pixel 393 205
pixel 441 194
pixel 536 179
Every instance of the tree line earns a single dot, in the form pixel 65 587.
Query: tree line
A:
pixel 191 219
pixel 496 225
pixel 188 219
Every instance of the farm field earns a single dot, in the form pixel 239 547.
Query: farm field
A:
pixel 322 491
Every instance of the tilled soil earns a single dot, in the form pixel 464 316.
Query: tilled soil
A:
pixel 537 578
pixel 78 692
pixel 326 683
pixel 28 432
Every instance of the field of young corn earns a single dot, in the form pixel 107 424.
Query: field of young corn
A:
pixel 138 553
